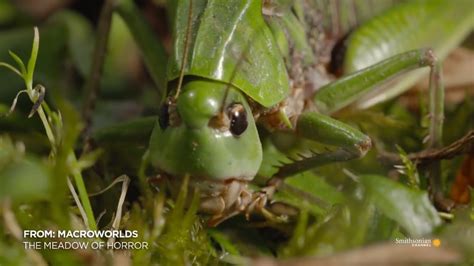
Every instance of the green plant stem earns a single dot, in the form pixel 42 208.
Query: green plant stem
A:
pixel 436 108
pixel 27 76
pixel 436 96
pixel 76 173
pixel 83 193
pixel 47 127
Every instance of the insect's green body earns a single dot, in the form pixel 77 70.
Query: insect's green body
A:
pixel 234 70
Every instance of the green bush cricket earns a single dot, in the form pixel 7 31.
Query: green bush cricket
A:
pixel 227 76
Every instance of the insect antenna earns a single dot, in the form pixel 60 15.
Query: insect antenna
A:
pixel 186 50
pixel 232 76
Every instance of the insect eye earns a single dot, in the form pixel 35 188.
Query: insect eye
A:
pixel 164 116
pixel 238 119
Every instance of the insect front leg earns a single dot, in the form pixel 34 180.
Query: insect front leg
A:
pixel 351 142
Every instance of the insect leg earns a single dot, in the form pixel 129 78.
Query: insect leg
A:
pixel 348 89
pixel 345 91
pixel 351 142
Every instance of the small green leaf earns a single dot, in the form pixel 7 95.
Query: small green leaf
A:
pixel 18 61
pixel 33 57
pixel 12 68
pixel 409 207
pixel 12 107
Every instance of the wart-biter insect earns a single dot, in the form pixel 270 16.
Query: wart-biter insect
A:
pixel 231 72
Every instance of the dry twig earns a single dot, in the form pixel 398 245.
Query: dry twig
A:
pixel 461 146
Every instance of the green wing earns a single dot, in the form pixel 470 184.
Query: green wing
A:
pixel 224 32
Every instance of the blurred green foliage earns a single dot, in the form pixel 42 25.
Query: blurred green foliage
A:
pixel 338 210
